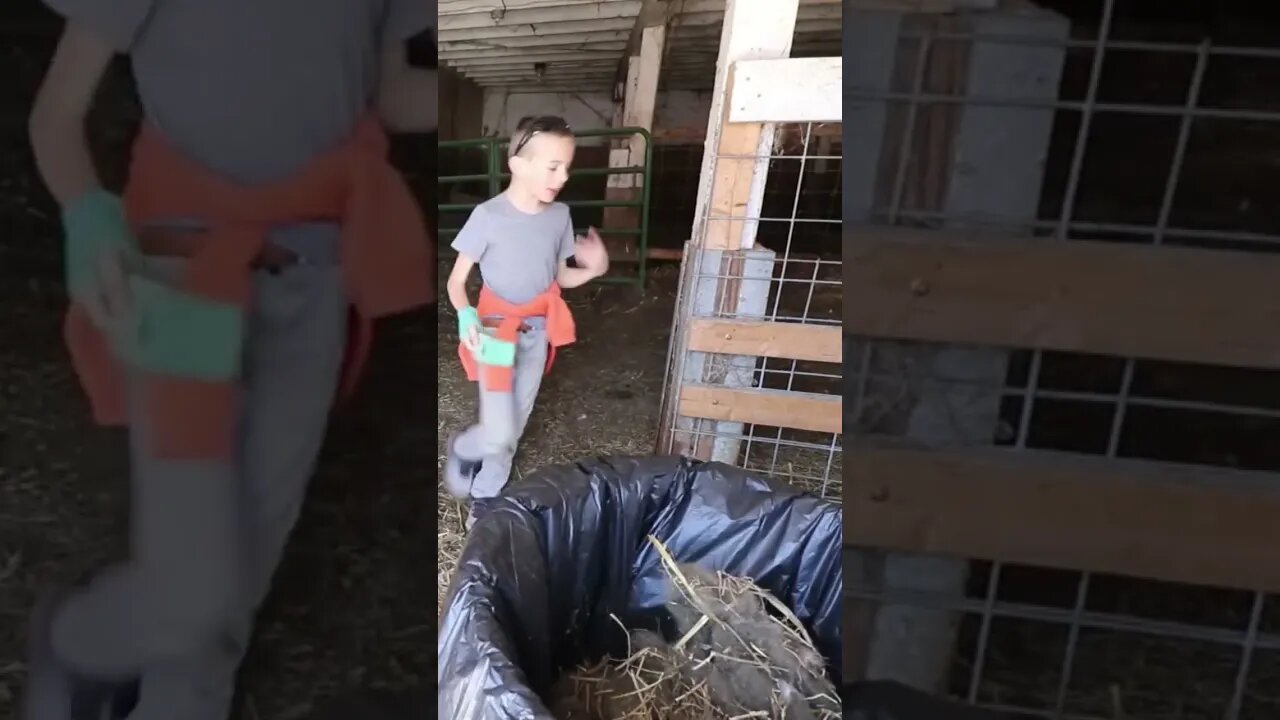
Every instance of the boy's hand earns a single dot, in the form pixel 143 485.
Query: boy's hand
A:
pixel 591 254
pixel 469 329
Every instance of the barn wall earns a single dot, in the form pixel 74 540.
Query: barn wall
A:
pixel 461 107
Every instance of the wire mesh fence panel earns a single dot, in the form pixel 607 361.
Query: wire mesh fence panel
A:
pixel 1145 142
pixel 754 376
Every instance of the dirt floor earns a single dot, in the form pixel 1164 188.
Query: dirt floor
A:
pixel 601 398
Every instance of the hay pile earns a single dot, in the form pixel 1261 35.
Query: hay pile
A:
pixel 740 653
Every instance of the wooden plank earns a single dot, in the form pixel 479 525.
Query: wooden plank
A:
pixel 1167 303
pixel 787 90
pixel 769 408
pixel 761 338
pixel 1176 523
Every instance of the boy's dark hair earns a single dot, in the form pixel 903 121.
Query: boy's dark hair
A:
pixel 531 125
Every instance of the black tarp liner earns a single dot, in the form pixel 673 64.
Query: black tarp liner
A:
pixel 885 700
pixel 558 553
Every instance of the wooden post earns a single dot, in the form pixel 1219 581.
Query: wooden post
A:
pixel 726 273
pixel 640 98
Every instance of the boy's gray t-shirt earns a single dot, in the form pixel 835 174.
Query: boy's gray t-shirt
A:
pixel 518 253
pixel 253 89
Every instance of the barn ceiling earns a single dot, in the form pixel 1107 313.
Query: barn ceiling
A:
pixel 578 45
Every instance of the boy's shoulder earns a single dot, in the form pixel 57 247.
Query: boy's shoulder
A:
pixel 500 206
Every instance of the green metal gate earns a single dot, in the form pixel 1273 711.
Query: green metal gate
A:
pixel 495 176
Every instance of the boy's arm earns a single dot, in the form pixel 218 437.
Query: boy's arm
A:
pixel 457 283
pixel 572 277
pixel 57 122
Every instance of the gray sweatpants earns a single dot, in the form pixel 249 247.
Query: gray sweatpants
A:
pixel 503 416
pixel 205 537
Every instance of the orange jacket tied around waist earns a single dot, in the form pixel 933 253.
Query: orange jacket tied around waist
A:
pixel 549 305
pixel 386 257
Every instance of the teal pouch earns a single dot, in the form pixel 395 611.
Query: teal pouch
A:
pixel 467 319
pixel 182 335
pixel 496 353
pixel 93 223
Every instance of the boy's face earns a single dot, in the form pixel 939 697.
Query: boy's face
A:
pixel 542 167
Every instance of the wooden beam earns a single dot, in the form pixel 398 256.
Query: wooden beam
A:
pixel 514 43
pixel 638 105
pixel 528 54
pixel 576 58
pixel 717 6
pixel 1175 523
pixel 824 14
pixel 792 90
pixel 731 188
pixel 532 51
pixel 652 14
pixel 540 16
pixel 1168 303
pixel 768 408
pixel 761 338
pixel 577 28
pixel 500 7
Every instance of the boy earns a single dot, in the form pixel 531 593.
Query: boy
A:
pixel 522 240
pixel 210 309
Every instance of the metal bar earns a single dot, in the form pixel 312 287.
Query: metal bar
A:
pixel 1029 104
pixel 794 444
pixel 1225 236
pixel 1069 199
pixel 448 179
pixel 822 221
pixel 793 158
pixel 1241 51
pixel 984 633
pixel 646 196
pixel 1246 656
pixel 1060 616
pixel 1184 137
pixel 900 174
pixel 1097 397
pixel 1073 639
pixel 864 376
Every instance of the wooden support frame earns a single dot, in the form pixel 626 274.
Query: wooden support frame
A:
pixel 731 187
pixel 1166 303
pixel 1173 523
pixel 802 89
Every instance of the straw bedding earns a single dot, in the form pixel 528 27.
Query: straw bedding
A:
pixel 738 653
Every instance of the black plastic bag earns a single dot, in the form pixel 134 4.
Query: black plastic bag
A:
pixel 550 561
pixel 885 700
